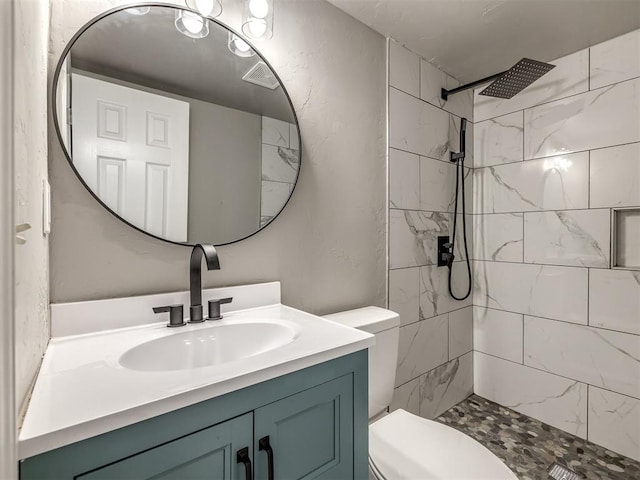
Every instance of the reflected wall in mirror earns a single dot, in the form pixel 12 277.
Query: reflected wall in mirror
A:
pixel 184 132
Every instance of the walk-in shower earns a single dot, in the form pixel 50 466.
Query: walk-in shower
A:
pixel 505 85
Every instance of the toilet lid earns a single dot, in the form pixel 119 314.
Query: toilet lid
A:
pixel 405 446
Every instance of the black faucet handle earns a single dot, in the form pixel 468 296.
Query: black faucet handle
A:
pixel 175 314
pixel 214 307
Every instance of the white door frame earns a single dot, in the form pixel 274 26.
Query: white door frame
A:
pixel 8 435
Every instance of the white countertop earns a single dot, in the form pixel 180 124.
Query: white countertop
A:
pixel 83 391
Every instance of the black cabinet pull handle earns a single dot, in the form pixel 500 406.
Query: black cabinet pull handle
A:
pixel 243 457
pixel 263 444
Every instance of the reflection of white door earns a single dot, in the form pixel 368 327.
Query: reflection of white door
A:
pixel 132 149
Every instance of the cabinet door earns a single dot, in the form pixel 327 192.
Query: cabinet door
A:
pixel 207 454
pixel 310 433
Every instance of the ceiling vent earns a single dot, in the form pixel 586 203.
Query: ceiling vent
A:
pixel 260 74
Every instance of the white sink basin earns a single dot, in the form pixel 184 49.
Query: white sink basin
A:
pixel 206 346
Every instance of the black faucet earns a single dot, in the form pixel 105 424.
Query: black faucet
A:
pixel 195 278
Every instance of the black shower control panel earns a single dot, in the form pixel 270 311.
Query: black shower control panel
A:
pixel 445 255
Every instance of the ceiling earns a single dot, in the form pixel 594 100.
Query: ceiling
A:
pixel 127 47
pixel 471 39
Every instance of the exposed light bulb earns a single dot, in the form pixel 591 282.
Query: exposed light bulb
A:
pixel 241 45
pixel 192 22
pixel 204 7
pixel 257 27
pixel 259 8
pixel 138 10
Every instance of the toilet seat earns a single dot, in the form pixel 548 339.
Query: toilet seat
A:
pixel 405 446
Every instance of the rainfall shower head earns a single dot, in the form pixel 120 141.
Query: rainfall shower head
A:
pixel 517 78
pixel 509 83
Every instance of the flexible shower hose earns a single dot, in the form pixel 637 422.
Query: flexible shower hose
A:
pixel 460 173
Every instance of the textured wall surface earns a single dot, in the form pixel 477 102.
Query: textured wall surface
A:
pixel 30 144
pixel 328 247
pixel 8 447
pixel 556 329
pixel 435 368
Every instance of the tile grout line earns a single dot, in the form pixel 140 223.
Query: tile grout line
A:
pixel 557 320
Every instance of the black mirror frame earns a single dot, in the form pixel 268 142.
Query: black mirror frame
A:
pixel 54 108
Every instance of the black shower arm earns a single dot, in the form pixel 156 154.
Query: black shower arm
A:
pixel 444 93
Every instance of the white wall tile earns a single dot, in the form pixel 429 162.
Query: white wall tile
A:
pixel 404 179
pixel 557 183
pixel 294 140
pixel 433 80
pixel 499 140
pixel 569 77
pixel 275 132
pixel 614 300
pixel 412 237
pixel 460 332
pixel 599 118
pixel 417 127
pixel 446 386
pixel 498 333
pixel 615 60
pixel 569 237
pixel 459 250
pixel 279 164
pixel 542 290
pixel 404 69
pixel 407 397
pixel 404 294
pixel 602 358
pixel 558 401
pixel 627 238
pixel 498 237
pixel 614 422
pixel 423 346
pixel 273 197
pixel 615 176
pixel 434 291
pixel 437 185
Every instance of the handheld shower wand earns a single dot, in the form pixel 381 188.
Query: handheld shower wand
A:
pixel 458 159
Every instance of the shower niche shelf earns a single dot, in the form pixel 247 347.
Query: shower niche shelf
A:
pixel 625 239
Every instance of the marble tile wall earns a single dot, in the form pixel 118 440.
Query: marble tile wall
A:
pixel 556 329
pixel 435 360
pixel 280 145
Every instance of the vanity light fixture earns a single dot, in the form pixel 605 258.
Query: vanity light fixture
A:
pixel 206 8
pixel 138 10
pixel 239 47
pixel 191 24
pixel 258 19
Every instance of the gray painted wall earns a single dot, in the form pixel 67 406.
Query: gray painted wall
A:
pixel 31 20
pixel 224 173
pixel 8 448
pixel 328 248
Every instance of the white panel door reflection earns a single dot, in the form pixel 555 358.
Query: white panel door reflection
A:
pixel 132 149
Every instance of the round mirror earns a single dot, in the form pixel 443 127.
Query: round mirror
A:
pixel 176 124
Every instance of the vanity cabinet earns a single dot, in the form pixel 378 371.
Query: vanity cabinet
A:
pixel 207 454
pixel 311 423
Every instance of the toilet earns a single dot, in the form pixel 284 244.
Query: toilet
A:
pixel 401 444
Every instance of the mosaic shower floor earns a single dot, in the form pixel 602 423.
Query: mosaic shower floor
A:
pixel 528 447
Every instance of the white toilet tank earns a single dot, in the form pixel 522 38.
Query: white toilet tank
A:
pixel 383 356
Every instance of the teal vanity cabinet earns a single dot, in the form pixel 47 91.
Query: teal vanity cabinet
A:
pixel 311 423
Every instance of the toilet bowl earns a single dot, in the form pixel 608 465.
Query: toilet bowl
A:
pixel 401 444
